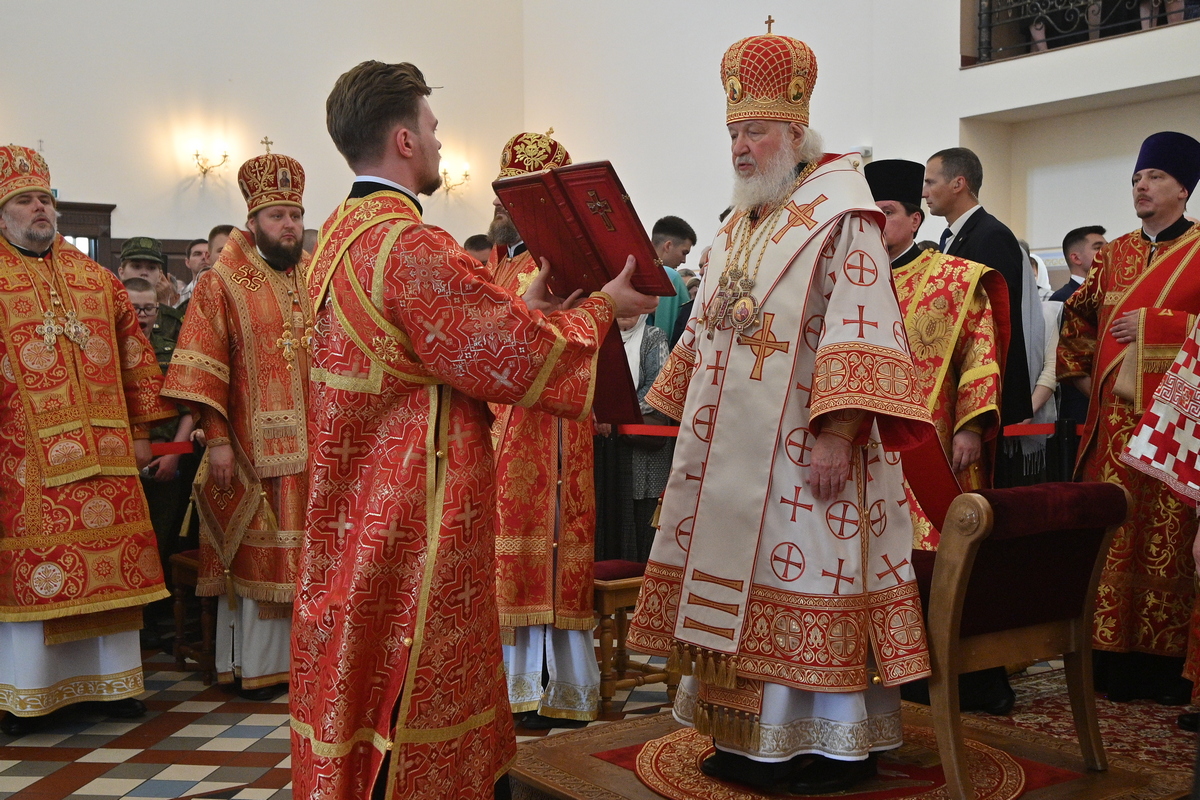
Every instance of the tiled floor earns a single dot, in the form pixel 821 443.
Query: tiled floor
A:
pixel 195 740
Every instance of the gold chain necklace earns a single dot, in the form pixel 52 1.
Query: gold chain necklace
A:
pixel 288 342
pixel 51 327
pixel 734 300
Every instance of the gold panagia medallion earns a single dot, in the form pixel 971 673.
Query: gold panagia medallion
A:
pixel 744 313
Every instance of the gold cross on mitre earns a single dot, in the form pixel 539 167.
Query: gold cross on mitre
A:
pixel 265 142
pixel 769 21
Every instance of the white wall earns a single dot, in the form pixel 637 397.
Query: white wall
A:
pixel 120 120
pixel 1074 169
pixel 631 81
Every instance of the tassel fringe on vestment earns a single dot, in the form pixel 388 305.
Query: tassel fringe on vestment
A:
pixel 739 729
pixel 716 669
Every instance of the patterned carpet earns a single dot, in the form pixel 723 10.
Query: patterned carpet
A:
pixel 1141 729
pixel 200 740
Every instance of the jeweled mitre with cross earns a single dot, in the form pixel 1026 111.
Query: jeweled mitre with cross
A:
pixel 748 569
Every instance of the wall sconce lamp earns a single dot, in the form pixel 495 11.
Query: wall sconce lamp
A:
pixel 203 164
pixel 449 183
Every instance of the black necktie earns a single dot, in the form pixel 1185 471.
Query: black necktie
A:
pixel 947 235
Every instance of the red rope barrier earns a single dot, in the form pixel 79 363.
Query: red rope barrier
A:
pixel 649 430
pixel 169 448
pixel 1031 429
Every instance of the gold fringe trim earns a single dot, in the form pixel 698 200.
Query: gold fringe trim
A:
pixel 54 430
pixel 260 592
pixel 274 610
pixel 524 620
pixel 69 477
pixel 1157 364
pixel 89 626
pixel 716 669
pixel 137 597
pixel 739 729
pixel 292 466
pixel 574 623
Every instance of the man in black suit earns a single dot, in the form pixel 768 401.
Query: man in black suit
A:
pixel 1079 248
pixel 953 178
pixel 952 181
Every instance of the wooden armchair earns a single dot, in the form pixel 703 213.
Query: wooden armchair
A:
pixel 1014 579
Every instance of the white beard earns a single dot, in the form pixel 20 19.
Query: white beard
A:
pixel 769 184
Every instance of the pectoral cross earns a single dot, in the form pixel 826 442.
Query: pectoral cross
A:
pixel 763 344
pixel 49 330
pixel 769 22
pixel 288 343
pixel 601 207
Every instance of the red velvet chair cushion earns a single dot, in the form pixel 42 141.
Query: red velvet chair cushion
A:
pixel 1036 565
pixel 616 569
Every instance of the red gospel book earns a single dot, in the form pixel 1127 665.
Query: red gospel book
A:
pixel 580 219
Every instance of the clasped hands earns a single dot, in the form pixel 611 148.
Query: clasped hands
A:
pixel 628 301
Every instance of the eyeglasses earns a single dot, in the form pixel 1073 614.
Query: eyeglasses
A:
pixel 145 311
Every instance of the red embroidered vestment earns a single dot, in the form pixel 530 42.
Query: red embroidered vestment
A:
pixel 396 645
pixel 75 534
pixel 1147 589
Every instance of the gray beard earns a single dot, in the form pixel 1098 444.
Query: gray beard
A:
pixel 769 185
pixel 503 233
pixel 32 240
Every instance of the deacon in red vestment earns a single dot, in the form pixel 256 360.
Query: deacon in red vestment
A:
pixel 545 514
pixel 242 363
pixel 1121 331
pixel 397 684
pixel 78 395
pixel 780 580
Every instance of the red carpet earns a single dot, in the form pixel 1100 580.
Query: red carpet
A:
pixel 670 766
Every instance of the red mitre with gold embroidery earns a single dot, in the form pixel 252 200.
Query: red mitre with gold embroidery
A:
pixel 271 180
pixel 531 152
pixel 768 77
pixel 22 170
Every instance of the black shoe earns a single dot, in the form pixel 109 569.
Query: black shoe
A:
pixel 13 725
pixel 761 776
pixel 263 693
pixel 129 708
pixel 916 691
pixel 1177 692
pixel 536 722
pixel 1189 722
pixel 987 691
pixel 828 775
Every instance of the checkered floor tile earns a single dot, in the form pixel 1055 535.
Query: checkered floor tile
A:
pixel 194 740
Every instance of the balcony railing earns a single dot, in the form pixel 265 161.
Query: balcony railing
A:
pixel 1009 28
